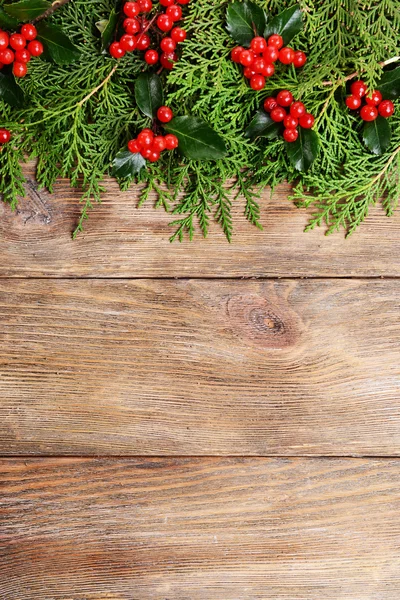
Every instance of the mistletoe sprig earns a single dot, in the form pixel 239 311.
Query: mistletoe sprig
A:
pixel 78 110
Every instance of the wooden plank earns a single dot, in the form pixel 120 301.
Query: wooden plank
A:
pixel 200 529
pixel 121 241
pixel 200 367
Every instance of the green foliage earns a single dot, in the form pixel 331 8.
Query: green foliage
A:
pixel 79 116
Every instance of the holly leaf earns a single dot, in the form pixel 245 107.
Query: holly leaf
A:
pixel 244 21
pixel 6 21
pixel 127 164
pixel 149 94
pixel 304 150
pixel 27 10
pixel 287 24
pixel 262 126
pixel 389 84
pixel 10 92
pixel 196 139
pixel 58 47
pixel 377 135
pixel 107 28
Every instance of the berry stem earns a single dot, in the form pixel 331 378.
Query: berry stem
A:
pixel 57 4
pixel 384 63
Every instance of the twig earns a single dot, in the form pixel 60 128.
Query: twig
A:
pixel 356 74
pixel 57 4
pixel 96 89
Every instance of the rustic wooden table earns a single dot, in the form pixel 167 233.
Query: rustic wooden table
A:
pixel 200 421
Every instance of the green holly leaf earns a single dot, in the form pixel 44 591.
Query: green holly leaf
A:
pixel 27 10
pixel 107 29
pixel 196 139
pixel 244 21
pixel 6 21
pixel 10 92
pixel 287 24
pixel 377 135
pixel 389 84
pixel 127 164
pixel 149 94
pixel 58 48
pixel 304 150
pixel 263 126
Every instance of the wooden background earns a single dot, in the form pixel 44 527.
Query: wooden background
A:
pixel 200 421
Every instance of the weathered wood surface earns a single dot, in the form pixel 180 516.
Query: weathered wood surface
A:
pixel 121 241
pixel 200 367
pixel 200 529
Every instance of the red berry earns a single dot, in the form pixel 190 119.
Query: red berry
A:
pixel 171 141
pixel 23 55
pixel 167 44
pixel 235 53
pixel 20 69
pixel 278 114
pixel 164 114
pixel 131 26
pixel 35 48
pixel 158 143
pixel 258 44
pixel 353 102
pixel 183 1
pixel 154 155
pixel 168 60
pixel 131 9
pixel 270 103
pixel 1 65
pixel 143 41
pixel 167 2
pixel 174 12
pixel 299 59
pixel 146 152
pixel 246 58
pixel 259 65
pixel 306 121
pixel 290 134
pixel 374 99
pixel 276 41
pixel 297 110
pixel 290 122
pixel 248 72
pixel 145 6
pixel 127 42
pixel 133 146
pixel 29 31
pixel 368 113
pixel 257 82
pixel 7 56
pixel 145 138
pixel 115 50
pixel 5 136
pixel 386 108
pixel 4 40
pixel 178 34
pixel 271 54
pixel 269 70
pixel 151 57
pixel 358 88
pixel 17 41
pixel 284 98
pixel 164 22
pixel 286 56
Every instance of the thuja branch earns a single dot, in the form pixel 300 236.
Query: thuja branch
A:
pixel 56 5
pixel 96 89
pixel 382 64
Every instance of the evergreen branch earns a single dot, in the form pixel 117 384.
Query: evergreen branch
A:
pixel 55 6
pixel 382 64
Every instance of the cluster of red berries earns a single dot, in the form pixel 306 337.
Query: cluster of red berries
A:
pixel 17 49
pixel 137 26
pixel 258 61
pixel 150 145
pixel 297 115
pixel 374 104
pixel 5 136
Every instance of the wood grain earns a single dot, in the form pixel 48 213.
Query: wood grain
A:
pixel 200 367
pixel 121 241
pixel 200 529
